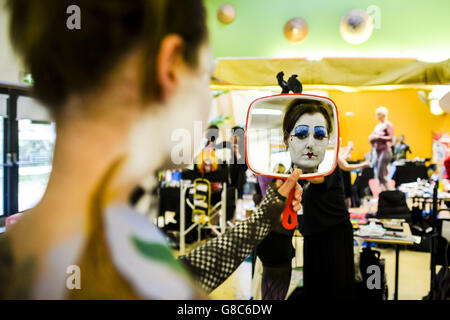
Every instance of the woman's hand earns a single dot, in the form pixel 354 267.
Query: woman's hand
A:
pixel 275 200
pixel 284 189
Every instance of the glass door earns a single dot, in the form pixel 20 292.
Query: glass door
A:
pixel 3 114
pixel 36 141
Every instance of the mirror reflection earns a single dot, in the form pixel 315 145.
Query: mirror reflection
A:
pixel 291 131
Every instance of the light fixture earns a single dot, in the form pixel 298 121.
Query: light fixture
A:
pixel 226 14
pixel 345 88
pixel 438 99
pixel 356 26
pixel 296 30
pixel 267 112
pixel 435 108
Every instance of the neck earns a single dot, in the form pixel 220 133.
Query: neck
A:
pixel 86 147
pixel 305 170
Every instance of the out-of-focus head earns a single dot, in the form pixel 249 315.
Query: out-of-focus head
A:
pixel 307 125
pixel 212 134
pixel 279 168
pixel 67 62
pixel 238 134
pixel 381 113
pixel 157 50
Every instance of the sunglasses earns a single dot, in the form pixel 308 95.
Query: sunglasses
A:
pixel 302 132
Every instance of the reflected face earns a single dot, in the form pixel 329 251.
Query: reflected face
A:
pixel 308 142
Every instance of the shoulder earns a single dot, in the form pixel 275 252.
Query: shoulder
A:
pixel 140 252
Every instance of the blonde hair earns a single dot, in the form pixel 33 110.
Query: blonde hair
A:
pixel 382 110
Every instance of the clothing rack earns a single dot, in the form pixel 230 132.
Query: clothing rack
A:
pixel 220 209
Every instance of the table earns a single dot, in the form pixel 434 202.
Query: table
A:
pixel 409 172
pixel 397 244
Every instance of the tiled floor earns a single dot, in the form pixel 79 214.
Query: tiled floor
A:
pixel 414 277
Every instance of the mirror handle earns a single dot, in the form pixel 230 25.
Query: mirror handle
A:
pixel 289 213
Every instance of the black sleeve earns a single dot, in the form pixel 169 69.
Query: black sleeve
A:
pixel 331 179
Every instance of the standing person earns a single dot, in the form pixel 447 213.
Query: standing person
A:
pixel 381 141
pixel 401 149
pixel 118 88
pixel 328 265
pixel 238 166
pixel 344 154
pixel 207 160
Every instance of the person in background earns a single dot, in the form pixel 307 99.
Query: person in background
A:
pixel 280 168
pixel 328 265
pixel 118 88
pixel 238 166
pixel 401 149
pixel 344 155
pixel 207 161
pixel 381 141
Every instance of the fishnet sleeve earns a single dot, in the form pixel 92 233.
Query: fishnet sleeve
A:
pixel 213 262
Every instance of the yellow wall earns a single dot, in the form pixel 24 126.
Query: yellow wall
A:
pixel 409 115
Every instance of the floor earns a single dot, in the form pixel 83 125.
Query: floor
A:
pixel 414 273
pixel 414 277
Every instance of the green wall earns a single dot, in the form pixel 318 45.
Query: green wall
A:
pixel 408 29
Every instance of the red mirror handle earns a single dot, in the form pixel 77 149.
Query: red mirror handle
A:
pixel 289 215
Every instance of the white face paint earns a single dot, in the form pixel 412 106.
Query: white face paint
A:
pixel 307 143
pixel 150 139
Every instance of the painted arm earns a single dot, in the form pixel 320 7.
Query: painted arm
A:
pixel 344 165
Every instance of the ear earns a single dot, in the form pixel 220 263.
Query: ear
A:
pixel 169 64
pixel 286 140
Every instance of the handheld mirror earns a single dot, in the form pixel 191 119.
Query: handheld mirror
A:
pixel 289 131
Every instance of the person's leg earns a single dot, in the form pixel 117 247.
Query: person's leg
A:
pixel 385 160
pixel 275 252
pixel 275 282
pixel 377 168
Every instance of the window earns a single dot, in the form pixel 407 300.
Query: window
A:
pixel 36 142
pixel 27 138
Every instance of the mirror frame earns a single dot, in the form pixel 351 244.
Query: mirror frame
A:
pixel 303 176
